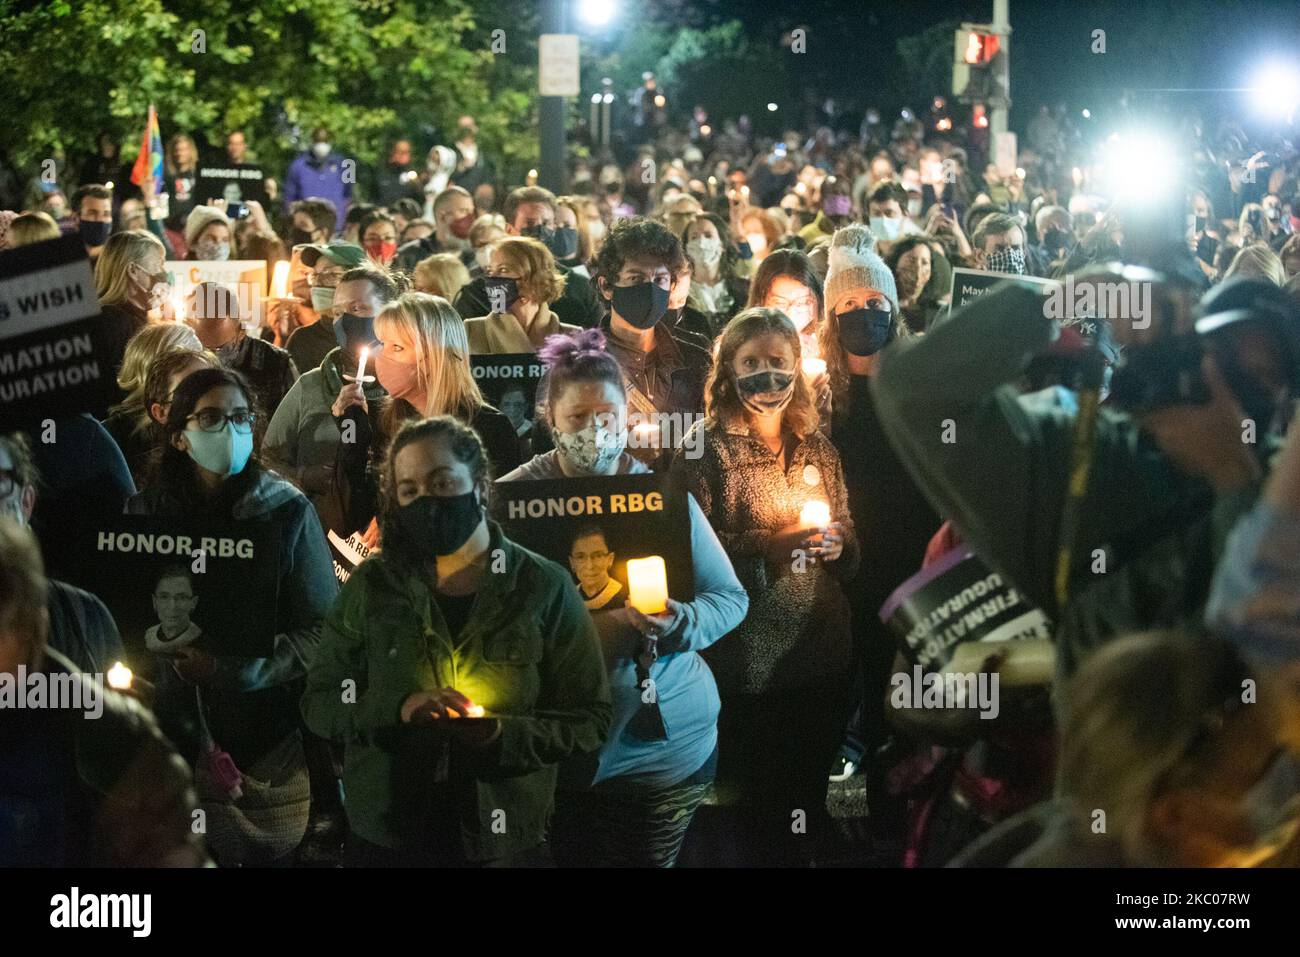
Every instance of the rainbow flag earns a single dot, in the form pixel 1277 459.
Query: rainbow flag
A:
pixel 149 164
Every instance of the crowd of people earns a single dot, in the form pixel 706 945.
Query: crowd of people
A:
pixel 781 313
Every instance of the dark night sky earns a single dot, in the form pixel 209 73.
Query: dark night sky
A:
pixel 1150 43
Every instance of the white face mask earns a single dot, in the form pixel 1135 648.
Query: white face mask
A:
pixel 320 150
pixel 884 228
pixel 705 249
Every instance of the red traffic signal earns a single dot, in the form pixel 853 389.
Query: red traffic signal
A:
pixel 980 48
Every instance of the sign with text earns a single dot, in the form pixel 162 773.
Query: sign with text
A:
pixel 969 284
pixel 955 600
pixel 233 182
pixel 509 382
pixel 557 73
pixel 210 583
pixel 246 278
pixel 51 340
pixel 594 526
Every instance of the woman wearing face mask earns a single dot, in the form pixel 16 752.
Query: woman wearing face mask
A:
pixel 130 282
pixel 218 320
pixel 761 231
pixel 422 361
pixel 208 235
pixel 893 519
pixel 520 282
pixel 128 421
pixel 590 228
pixel 633 809
pixel 717 292
pixel 477 667
pixel 785 673
pixel 911 260
pixel 208 470
pixel 378 232
pixel 305 438
pixel 567 240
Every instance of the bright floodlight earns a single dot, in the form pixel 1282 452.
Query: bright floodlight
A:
pixel 1276 90
pixel 1138 168
pixel 771 107
pixel 597 13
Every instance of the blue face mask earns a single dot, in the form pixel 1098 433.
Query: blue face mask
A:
pixel 223 453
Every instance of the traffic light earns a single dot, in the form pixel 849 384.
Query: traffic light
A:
pixel 978 58
pixel 978 49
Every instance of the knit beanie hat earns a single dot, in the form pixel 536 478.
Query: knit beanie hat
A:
pixel 199 219
pixel 853 264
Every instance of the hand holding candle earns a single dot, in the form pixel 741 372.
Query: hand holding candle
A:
pixel 280 280
pixel 815 514
pixel 647 585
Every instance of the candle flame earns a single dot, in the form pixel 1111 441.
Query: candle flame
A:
pixel 280 280
pixel 119 677
pixel 813 367
pixel 815 514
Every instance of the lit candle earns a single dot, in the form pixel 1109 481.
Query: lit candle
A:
pixel 361 368
pixel 119 677
pixel 280 280
pixel 475 711
pixel 813 367
pixel 815 514
pixel 178 304
pixel 647 585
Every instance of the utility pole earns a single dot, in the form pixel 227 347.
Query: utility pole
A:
pixel 1002 143
pixel 550 165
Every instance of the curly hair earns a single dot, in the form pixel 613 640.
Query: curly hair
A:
pixel 580 357
pixel 638 238
pixel 722 403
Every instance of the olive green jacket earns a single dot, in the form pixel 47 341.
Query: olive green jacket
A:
pixel 529 654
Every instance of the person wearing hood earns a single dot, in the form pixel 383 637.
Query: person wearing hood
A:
pixel 208 235
pixel 453 214
pixel 318 172
pixel 894 522
pixel 530 211
pixel 477 670
pixel 92 205
pixel 633 806
pixel 773 489
pixel 217 319
pixel 249 704
pixel 304 439
pixel 327 262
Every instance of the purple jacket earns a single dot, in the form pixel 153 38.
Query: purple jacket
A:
pixel 307 178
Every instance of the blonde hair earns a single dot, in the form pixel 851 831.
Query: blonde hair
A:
pixel 539 279
pixel 721 401
pixel 441 347
pixel 443 273
pixel 28 228
pixel 488 221
pixel 141 349
pixel 1257 261
pixel 112 275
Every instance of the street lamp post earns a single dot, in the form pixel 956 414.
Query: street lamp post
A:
pixel 551 111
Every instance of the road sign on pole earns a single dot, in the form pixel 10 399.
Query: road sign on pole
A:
pixel 557 73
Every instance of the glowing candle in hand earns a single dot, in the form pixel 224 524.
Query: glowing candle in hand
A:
pixel 361 367
pixel 647 585
pixel 813 367
pixel 280 280
pixel 119 677
pixel 475 711
pixel 815 514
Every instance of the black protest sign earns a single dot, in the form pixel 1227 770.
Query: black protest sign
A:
pixel 969 284
pixel 509 382
pixel 594 526
pixel 52 341
pixel 346 553
pixel 147 570
pixel 233 182
pixel 957 599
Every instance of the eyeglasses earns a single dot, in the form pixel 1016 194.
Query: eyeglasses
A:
pixel 8 482
pixel 327 279
pixel 589 556
pixel 785 305
pixel 214 420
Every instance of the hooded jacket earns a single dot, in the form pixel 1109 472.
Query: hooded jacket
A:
pixel 528 654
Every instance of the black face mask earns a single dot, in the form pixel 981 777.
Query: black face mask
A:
pixel 640 305
pixel 769 382
pixel 299 237
pixel 864 332
pixel 353 332
pixel 564 242
pixel 1055 240
pixel 502 292
pixel 440 524
pixel 94 234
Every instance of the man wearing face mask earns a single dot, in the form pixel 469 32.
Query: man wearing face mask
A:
pixel 304 439
pixel 999 245
pixel 453 215
pixel 319 172
pixel 836 210
pixel 530 211
pixel 308 345
pixel 217 320
pixel 665 371
pixel 1055 231
pixel 92 205
pixel 886 208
